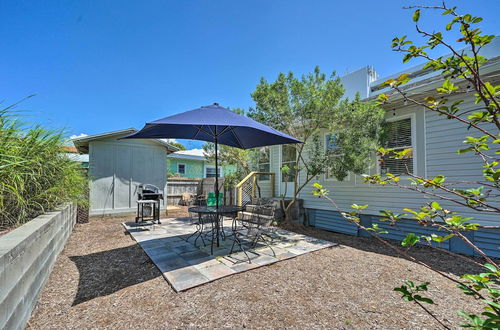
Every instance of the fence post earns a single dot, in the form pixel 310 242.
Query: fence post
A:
pixel 254 186
pixel 240 196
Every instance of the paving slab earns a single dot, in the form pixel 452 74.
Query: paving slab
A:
pixel 214 272
pixel 264 260
pixel 244 266
pixel 196 257
pixel 186 265
pixel 185 278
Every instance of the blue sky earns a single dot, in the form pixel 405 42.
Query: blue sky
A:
pixel 99 66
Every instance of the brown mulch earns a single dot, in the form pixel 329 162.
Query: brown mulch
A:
pixel 102 279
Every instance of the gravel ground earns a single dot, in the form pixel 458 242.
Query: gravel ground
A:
pixel 102 279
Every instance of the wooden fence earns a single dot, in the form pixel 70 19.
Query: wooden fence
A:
pixel 177 186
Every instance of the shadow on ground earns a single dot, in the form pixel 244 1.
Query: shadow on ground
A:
pixel 106 272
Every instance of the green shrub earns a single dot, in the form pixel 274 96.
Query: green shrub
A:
pixel 36 175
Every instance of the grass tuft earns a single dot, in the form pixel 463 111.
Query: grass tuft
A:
pixel 36 175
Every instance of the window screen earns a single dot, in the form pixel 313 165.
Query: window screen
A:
pixel 264 163
pixel 399 138
pixel 211 172
pixel 181 169
pixel 288 158
pixel 330 147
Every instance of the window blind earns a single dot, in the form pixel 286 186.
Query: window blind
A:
pixel 399 138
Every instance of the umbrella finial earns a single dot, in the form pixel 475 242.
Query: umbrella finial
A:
pixel 216 104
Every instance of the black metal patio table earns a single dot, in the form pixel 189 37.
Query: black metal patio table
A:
pixel 216 214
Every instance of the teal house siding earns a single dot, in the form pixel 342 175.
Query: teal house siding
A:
pixel 193 168
pixel 194 165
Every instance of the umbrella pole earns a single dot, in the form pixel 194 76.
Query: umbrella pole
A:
pixel 216 187
pixel 216 176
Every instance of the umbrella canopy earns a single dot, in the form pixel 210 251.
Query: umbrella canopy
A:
pixel 217 124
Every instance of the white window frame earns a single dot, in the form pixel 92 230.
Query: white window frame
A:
pixel 281 164
pixel 268 163
pixel 414 146
pixel 325 175
pixel 178 164
pixel 221 174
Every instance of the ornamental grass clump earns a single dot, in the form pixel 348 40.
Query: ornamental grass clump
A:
pixel 36 175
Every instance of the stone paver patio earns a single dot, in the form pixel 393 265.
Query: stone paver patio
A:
pixel 185 265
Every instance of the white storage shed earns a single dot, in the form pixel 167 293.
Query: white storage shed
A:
pixel 118 167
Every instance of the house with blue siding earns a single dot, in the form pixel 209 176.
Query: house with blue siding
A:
pixel 433 140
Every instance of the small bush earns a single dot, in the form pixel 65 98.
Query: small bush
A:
pixel 36 175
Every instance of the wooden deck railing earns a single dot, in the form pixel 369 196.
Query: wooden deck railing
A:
pixel 250 187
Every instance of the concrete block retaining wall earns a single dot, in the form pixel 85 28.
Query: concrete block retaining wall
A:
pixel 27 255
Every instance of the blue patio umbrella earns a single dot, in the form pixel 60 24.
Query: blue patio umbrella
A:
pixel 213 123
pixel 216 124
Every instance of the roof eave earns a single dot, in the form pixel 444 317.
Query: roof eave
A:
pixel 82 143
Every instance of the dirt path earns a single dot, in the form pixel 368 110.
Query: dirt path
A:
pixel 103 280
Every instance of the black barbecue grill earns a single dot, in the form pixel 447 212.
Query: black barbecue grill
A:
pixel 148 203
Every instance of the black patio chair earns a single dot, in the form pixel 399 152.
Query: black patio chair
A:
pixel 205 227
pixel 253 229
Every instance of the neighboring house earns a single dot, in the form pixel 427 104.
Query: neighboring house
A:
pixel 73 154
pixel 434 141
pixel 193 164
pixel 118 167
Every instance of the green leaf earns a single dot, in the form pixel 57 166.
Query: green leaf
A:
pixel 410 240
pixel 377 229
pixel 423 299
pixel 403 78
pixel 410 210
pixel 490 267
pixel 416 15
pixel 492 303
pixel 423 286
pixel 436 206
pixel 439 179
pixel 359 207
pixel 317 185
pixel 440 239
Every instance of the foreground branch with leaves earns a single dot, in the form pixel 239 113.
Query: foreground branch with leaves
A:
pixel 461 72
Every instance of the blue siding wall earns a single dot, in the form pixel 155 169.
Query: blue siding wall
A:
pixel 333 221
pixel 487 240
pixel 404 227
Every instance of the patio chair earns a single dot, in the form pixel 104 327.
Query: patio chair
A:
pixel 200 200
pixel 253 230
pixel 201 231
pixel 187 199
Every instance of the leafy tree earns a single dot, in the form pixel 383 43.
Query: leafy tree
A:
pixel 305 107
pixel 176 144
pixel 461 71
